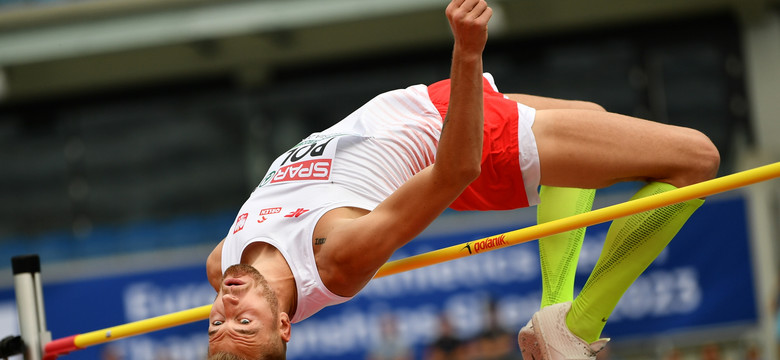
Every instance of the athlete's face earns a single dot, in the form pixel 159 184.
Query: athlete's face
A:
pixel 245 318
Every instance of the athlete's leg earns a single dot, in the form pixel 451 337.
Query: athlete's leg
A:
pixel 558 254
pixel 596 149
pixel 631 244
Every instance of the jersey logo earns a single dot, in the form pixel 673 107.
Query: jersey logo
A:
pixel 240 222
pixel 297 213
pixel 304 170
pixel 311 159
pixel 270 211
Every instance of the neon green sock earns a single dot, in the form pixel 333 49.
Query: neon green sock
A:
pixel 632 243
pixel 558 254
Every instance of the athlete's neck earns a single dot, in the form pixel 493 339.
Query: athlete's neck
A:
pixel 270 262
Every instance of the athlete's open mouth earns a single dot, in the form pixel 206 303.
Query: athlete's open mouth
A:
pixel 233 282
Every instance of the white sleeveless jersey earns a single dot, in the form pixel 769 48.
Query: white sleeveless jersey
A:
pixel 358 162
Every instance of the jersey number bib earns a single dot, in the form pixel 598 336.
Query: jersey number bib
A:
pixel 310 160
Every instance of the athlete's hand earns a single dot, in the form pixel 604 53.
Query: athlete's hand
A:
pixel 469 23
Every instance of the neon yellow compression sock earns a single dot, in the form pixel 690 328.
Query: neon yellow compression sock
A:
pixel 632 243
pixel 558 254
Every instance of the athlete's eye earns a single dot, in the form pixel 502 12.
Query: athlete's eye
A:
pixel 244 321
pixel 216 322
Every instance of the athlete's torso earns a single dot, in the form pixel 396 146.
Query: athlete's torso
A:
pixel 356 163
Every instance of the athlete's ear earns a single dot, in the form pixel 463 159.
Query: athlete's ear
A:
pixel 285 327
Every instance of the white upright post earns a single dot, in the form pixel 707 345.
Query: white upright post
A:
pixel 29 304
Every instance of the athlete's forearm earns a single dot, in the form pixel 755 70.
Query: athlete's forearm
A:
pixel 460 146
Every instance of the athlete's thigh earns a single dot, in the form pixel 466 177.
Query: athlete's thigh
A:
pixel 594 149
pixel 546 103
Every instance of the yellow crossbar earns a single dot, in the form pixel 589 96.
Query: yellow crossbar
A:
pixel 142 326
pixel 700 190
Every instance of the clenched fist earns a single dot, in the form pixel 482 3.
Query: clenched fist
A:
pixel 469 23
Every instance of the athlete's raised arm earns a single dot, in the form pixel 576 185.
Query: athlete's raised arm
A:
pixel 417 203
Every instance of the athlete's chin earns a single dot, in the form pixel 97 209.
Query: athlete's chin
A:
pixel 239 270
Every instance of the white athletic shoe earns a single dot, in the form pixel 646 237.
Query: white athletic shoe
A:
pixel 546 337
pixel 526 338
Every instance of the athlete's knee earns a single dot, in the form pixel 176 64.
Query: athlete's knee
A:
pixel 709 156
pixel 588 105
pixel 703 158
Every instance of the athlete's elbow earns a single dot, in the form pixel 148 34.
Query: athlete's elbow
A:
pixel 459 171
pixel 465 173
pixel 472 173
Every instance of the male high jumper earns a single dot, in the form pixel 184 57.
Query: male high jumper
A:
pixel 333 209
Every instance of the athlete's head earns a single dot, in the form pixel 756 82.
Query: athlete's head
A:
pixel 245 321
